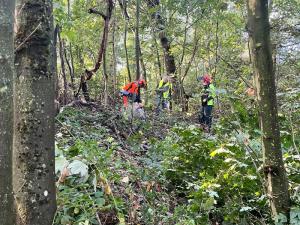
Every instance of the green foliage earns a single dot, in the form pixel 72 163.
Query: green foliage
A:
pixel 199 177
pixel 196 176
pixel 217 178
pixel 84 191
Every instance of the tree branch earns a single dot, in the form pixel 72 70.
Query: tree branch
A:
pixel 94 11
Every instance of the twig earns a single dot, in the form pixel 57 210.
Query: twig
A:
pixel 26 39
pixel 21 9
pixel 20 188
pixel 98 219
pixel 65 127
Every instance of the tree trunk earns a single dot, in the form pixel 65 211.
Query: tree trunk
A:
pixel 89 73
pixel 137 41
pixel 106 17
pixel 72 62
pixel 165 43
pixel 69 64
pixel 145 77
pixel 183 45
pixel 126 16
pixel 185 97
pixel 54 61
pixel 105 79
pixel 114 59
pixel 6 110
pixel 126 50
pixel 63 68
pixel 33 160
pixel 214 74
pixel 275 175
pixel 157 56
pixel 69 8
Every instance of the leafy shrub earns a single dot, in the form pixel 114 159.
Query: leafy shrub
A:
pixel 218 179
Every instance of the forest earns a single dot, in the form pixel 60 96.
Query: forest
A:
pixel 149 112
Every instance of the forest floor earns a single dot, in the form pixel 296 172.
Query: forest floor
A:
pixel 106 169
pixel 162 171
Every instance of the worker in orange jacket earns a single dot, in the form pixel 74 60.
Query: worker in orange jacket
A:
pixel 132 91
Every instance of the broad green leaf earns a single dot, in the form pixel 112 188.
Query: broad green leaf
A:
pixel 60 163
pixel 79 168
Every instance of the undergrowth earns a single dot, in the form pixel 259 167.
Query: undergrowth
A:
pixel 173 174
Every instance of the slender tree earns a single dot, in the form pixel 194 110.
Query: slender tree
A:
pixel 165 43
pixel 123 5
pixel 114 56
pixel 54 60
pixel 33 160
pixel 102 50
pixel 70 65
pixel 137 40
pixel 6 110
pixel 275 175
pixel 63 68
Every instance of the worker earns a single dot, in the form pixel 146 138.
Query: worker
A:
pixel 207 101
pixel 164 94
pixel 131 93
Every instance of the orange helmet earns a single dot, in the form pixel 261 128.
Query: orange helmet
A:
pixel 142 83
pixel 206 78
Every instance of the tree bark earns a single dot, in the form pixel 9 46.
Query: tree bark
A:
pixel 63 68
pixel 157 56
pixel 126 50
pixel 214 74
pixel 123 5
pixel 165 43
pixel 145 77
pixel 183 45
pixel 126 17
pixel 137 41
pixel 275 175
pixel 114 59
pixel 72 62
pixel 89 73
pixel 33 159
pixel 70 65
pixel 54 60
pixel 105 78
pixel 6 110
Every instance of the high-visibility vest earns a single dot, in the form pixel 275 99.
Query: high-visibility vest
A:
pixel 211 94
pixel 166 94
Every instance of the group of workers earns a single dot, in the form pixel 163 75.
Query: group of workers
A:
pixel 131 94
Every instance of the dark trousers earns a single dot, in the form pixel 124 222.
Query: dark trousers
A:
pixel 162 103
pixel 206 115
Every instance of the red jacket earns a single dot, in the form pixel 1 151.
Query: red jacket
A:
pixel 134 89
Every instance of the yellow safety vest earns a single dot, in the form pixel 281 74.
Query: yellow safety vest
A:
pixel 167 93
